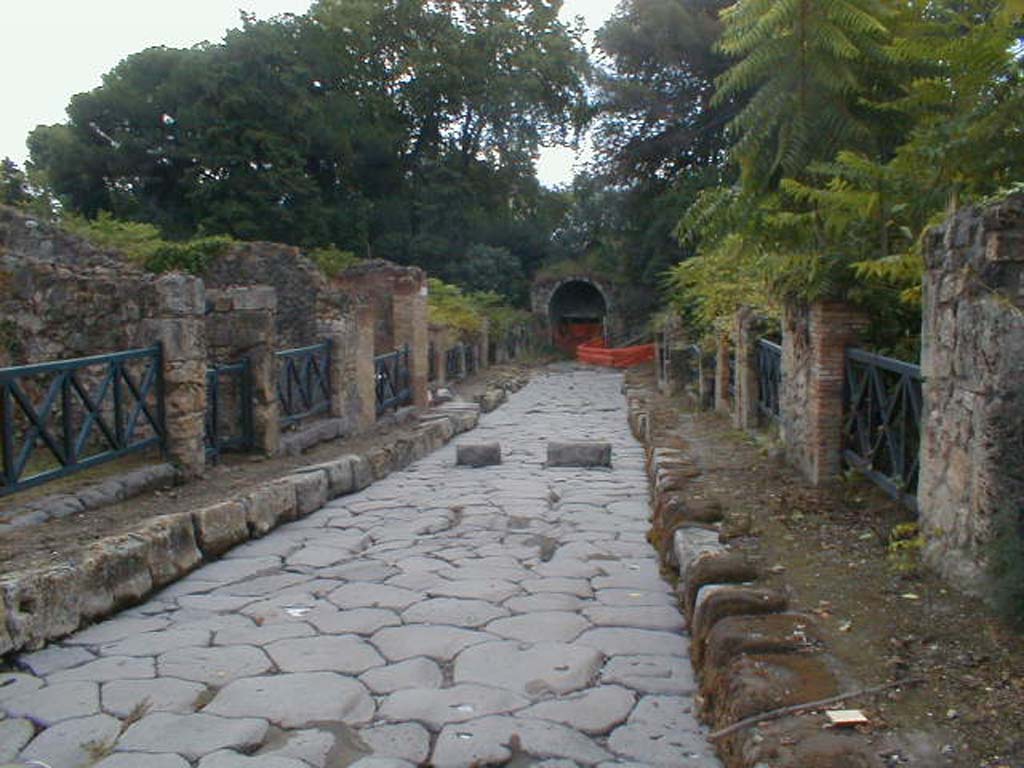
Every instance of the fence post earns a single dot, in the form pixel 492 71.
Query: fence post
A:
pixel 723 349
pixel 409 318
pixel 179 326
pixel 972 363
pixel 814 343
pixel 745 413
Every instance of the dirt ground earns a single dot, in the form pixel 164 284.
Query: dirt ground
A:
pixel 57 541
pixel 884 615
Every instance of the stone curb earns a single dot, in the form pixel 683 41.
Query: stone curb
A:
pixel 40 605
pixel 750 653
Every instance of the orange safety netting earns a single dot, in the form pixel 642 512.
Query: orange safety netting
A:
pixel 569 336
pixel 596 352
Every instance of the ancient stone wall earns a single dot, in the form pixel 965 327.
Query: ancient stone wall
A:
pixel 60 297
pixel 972 453
pixel 304 295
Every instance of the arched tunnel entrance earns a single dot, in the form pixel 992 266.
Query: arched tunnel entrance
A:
pixel 577 312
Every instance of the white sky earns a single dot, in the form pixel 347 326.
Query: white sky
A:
pixel 53 49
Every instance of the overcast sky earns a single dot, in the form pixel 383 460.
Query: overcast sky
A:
pixel 53 49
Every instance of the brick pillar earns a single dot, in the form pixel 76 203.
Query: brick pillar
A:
pixel 179 326
pixel 722 352
pixel 241 324
pixel 746 331
pixel 971 485
pixel 814 343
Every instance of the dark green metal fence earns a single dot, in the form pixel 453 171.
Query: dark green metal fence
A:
pixel 882 425
pixel 303 382
pixel 61 417
pixel 769 378
pixel 393 380
pixel 229 417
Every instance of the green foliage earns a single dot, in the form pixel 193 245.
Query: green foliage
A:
pixel 14 189
pixel 1006 565
pixel 142 243
pixel 906 543
pixel 448 305
pixel 332 261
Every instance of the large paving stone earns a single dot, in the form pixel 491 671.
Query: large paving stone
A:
pixel 136 760
pixel 357 621
pixel 262 635
pixel 635 597
pixel 115 629
pixel 533 669
pixel 345 653
pixel 489 741
pixel 215 665
pixel 593 711
pixel 662 731
pixel 155 643
pixel 553 601
pixel 54 703
pixel 14 734
pixel 54 659
pixel 490 590
pixel 613 641
pixel 106 669
pixel 192 736
pixel 553 626
pixel 229 759
pixel 437 707
pixel 578 587
pixel 15 684
pixel 404 741
pixel 357 595
pixel 639 617
pixel 295 700
pixel 127 697
pixel 74 743
pixel 412 673
pixel 452 611
pixel 651 674
pixel 435 642
pixel 313 746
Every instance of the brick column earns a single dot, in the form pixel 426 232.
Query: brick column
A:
pixel 179 326
pixel 361 373
pixel 814 343
pixel 971 485
pixel 722 352
pixel 241 324
pixel 409 319
pixel 745 332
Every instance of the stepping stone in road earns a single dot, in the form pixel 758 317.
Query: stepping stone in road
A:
pixel 478 454
pixel 579 454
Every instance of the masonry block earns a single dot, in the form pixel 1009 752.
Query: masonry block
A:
pixel 478 454
pixel 579 454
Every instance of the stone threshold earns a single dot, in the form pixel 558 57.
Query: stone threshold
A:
pixel 43 604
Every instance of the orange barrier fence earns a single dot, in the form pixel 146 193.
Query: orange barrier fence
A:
pixel 596 353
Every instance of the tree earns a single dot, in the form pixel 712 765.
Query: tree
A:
pixel 14 189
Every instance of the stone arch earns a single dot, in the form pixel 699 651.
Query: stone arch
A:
pixel 574 308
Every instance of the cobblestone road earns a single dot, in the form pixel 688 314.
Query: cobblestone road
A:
pixel 443 616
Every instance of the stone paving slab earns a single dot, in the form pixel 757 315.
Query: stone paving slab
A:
pixel 443 616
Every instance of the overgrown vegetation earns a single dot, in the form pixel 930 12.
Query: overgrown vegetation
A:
pixel 466 312
pixel 841 158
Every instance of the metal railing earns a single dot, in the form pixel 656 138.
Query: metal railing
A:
pixel 470 354
pixel 769 378
pixel 882 421
pixel 303 382
pixel 731 389
pixel 393 380
pixel 62 417
pixel 229 417
pixel 453 363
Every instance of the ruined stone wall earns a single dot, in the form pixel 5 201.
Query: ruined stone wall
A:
pixel 794 393
pixel 60 297
pixel 972 452
pixel 304 295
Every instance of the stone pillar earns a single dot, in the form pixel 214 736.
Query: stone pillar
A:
pixel 241 324
pixel 814 343
pixel 361 372
pixel 409 319
pixel 439 339
pixel 482 346
pixel 723 349
pixel 746 331
pixel 972 362
pixel 179 327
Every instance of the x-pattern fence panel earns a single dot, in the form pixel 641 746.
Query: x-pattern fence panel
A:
pixel 882 428
pixel 769 378
pixel 393 380
pixel 61 417
pixel 303 382
pixel 229 416
pixel 470 353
